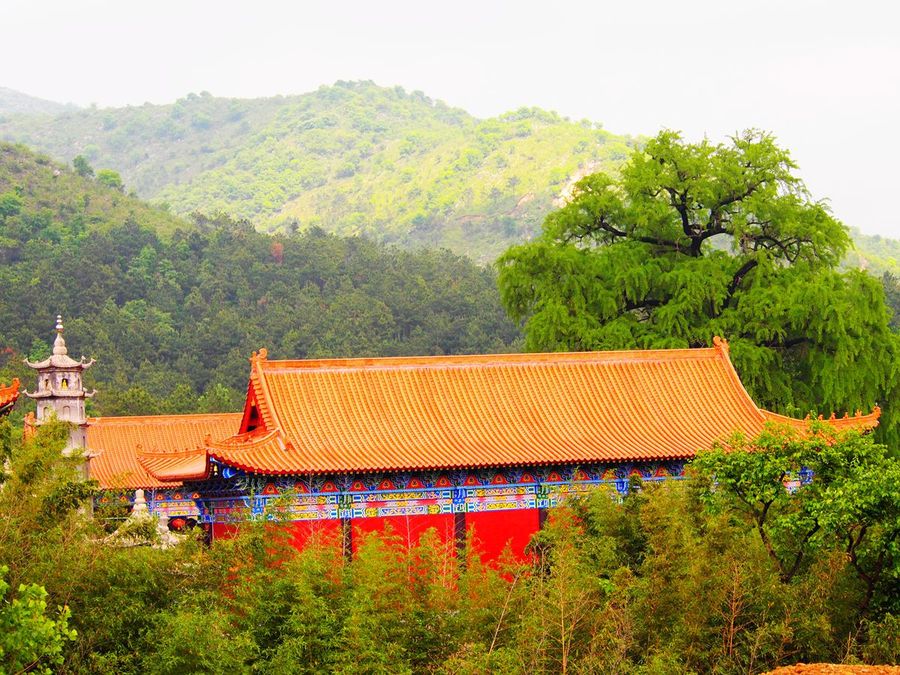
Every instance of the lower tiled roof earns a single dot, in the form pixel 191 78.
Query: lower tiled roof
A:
pixel 170 446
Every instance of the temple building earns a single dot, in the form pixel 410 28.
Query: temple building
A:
pixel 482 443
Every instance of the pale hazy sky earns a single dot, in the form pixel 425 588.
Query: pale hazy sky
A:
pixel 823 76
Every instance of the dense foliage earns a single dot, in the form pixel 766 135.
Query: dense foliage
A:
pixel 173 319
pixel 676 578
pixel 891 285
pixel 697 240
pixel 354 158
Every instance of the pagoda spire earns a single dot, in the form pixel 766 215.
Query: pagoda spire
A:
pixel 60 393
pixel 59 344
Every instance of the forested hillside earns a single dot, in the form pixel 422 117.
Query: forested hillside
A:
pixel 45 196
pixel 874 253
pixel 172 318
pixel 353 158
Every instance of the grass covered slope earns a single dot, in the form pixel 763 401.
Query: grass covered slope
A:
pixel 37 194
pixel 353 158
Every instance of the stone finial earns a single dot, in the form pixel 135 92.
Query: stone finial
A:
pixel 59 344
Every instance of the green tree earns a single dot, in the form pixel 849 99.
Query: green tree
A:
pixel 892 294
pixel 10 205
pixel 849 500
pixel 30 640
pixel 110 179
pixel 697 240
pixel 219 398
pixel 82 167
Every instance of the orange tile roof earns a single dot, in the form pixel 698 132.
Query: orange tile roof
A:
pixel 8 395
pixel 343 415
pixel 153 451
pixel 857 421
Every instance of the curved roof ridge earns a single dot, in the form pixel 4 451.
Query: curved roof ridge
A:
pixel 178 452
pixel 724 349
pixel 859 421
pixel 247 439
pixel 258 382
pixel 175 468
pixel 500 359
pixel 159 419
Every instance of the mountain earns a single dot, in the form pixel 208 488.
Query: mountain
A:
pixel 874 253
pixel 353 158
pixel 172 317
pixel 14 102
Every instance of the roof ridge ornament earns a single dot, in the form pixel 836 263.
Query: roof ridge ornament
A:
pixel 721 344
pixel 261 355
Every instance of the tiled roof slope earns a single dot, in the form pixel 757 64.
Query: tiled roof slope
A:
pixel 445 412
pixel 153 451
pixel 8 396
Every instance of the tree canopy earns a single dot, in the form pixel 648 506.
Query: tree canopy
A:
pixel 845 496
pixel 696 240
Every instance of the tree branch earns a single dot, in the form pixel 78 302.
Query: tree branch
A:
pixel 736 281
pixel 602 224
pixel 800 554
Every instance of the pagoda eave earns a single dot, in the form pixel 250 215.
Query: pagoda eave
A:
pixel 57 394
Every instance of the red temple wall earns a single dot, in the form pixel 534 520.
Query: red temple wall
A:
pixel 493 530
pixel 224 530
pixel 408 529
pixel 322 531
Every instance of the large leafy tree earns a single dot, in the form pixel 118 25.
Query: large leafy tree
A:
pixel 696 240
pixel 851 504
